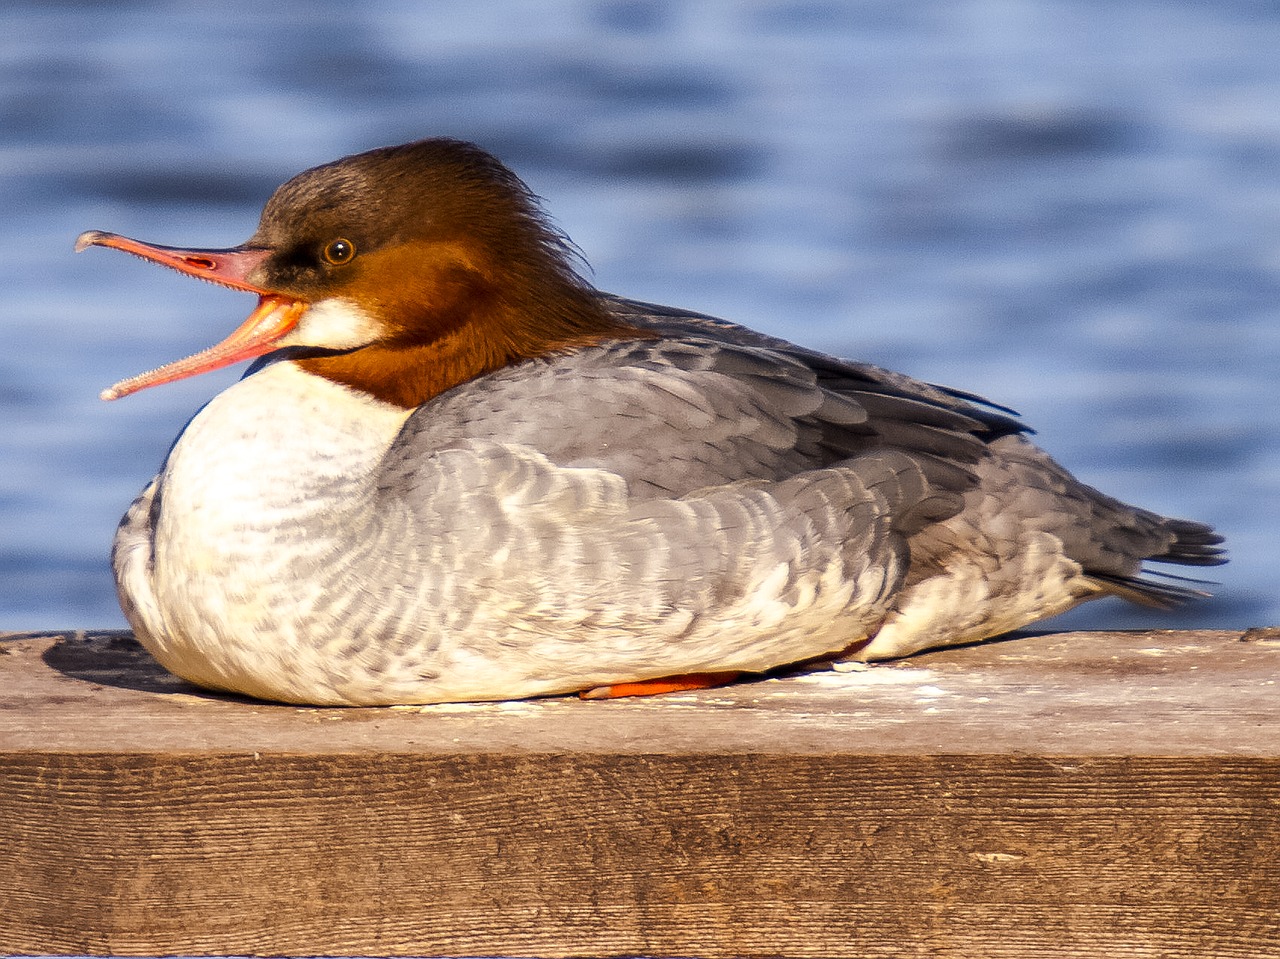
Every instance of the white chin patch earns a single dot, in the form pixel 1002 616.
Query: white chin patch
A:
pixel 335 324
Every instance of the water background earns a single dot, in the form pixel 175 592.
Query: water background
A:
pixel 1072 208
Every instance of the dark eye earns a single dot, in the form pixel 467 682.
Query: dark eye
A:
pixel 339 252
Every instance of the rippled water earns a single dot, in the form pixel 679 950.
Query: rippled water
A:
pixel 1073 208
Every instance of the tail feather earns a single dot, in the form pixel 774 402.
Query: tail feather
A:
pixel 1151 592
pixel 1194 544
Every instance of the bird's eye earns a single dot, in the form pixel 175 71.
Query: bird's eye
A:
pixel 339 252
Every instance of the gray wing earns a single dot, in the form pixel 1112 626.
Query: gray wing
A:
pixel 680 413
pixel 725 499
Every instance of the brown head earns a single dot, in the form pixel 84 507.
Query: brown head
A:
pixel 407 269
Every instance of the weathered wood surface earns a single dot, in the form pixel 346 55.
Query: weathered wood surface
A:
pixel 1087 794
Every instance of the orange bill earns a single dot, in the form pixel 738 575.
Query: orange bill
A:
pixel 274 317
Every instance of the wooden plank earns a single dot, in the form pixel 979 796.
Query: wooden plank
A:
pixel 1089 794
pixel 1119 694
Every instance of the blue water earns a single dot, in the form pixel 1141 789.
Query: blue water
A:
pixel 1073 208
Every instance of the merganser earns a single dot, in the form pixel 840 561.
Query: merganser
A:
pixel 458 472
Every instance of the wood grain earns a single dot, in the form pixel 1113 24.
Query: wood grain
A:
pixel 1103 794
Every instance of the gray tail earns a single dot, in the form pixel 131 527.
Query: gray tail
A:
pixel 1191 544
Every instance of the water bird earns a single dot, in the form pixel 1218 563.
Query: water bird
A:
pixel 456 471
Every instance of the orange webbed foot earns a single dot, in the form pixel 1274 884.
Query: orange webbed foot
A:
pixel 656 687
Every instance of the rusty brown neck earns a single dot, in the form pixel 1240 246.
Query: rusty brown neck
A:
pixel 476 335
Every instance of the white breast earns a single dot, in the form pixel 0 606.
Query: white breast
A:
pixel 260 486
pixel 279 445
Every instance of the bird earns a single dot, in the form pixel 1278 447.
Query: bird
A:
pixel 458 472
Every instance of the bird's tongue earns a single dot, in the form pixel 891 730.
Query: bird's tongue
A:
pixel 274 317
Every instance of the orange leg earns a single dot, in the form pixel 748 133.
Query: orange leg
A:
pixel 655 687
